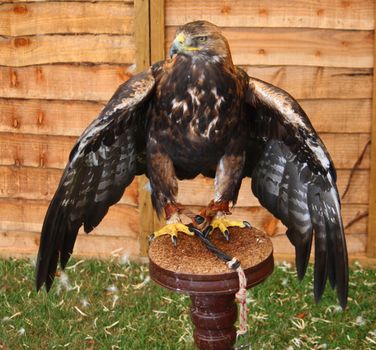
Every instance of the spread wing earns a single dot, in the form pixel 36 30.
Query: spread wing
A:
pixel 101 165
pixel 294 178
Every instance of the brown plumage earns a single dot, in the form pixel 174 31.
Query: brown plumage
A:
pixel 198 113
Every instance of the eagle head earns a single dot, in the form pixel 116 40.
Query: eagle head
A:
pixel 200 39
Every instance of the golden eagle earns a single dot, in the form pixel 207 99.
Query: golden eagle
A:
pixel 198 113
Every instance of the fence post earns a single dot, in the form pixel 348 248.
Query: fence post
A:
pixel 149 38
pixel 371 243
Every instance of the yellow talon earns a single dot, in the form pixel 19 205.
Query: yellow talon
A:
pixel 222 223
pixel 173 229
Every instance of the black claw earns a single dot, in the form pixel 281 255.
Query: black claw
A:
pixel 191 228
pixel 247 224
pixel 195 231
pixel 207 231
pixel 174 240
pixel 227 235
pixel 199 219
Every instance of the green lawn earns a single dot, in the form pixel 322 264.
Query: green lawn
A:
pixel 109 305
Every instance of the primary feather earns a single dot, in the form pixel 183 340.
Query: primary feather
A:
pixel 101 165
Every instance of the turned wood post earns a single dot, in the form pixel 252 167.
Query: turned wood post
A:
pixel 214 318
pixel 190 268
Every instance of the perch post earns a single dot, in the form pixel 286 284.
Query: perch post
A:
pixel 190 268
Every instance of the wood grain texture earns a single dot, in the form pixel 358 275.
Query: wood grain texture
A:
pixel 200 190
pixel 28 1
pixel 302 47
pixel 42 151
pixel 371 242
pixel 150 44
pixel 93 83
pixel 337 116
pixel 260 218
pixel 28 215
pixel 46 117
pixel 142 34
pixel 317 82
pixel 41 184
pixel 143 60
pixel 345 149
pixel 335 14
pixel 25 244
pixel 66 17
pixel 148 219
pixel 34 50
pixel 52 151
pixel 70 118
pixel 356 244
pixel 63 81
pixel 123 220
pixel 157 27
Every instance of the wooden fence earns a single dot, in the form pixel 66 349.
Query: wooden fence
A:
pixel 60 62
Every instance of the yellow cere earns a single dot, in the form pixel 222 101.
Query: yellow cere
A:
pixel 181 38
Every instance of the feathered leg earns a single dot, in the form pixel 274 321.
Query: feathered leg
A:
pixel 164 188
pixel 227 184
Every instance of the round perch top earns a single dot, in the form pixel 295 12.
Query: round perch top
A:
pixel 191 267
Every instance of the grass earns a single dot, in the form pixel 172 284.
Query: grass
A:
pixel 113 305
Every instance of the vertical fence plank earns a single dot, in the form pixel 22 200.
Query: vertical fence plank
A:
pixel 157 41
pixel 142 34
pixel 149 31
pixel 157 34
pixel 142 38
pixel 371 242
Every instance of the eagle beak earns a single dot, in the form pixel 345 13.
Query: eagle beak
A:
pixel 177 45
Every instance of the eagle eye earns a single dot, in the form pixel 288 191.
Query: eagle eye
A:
pixel 202 38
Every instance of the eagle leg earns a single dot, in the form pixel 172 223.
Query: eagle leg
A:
pixel 214 216
pixel 173 223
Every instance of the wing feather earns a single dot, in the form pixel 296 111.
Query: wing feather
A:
pixel 294 178
pixel 321 244
pixel 101 165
